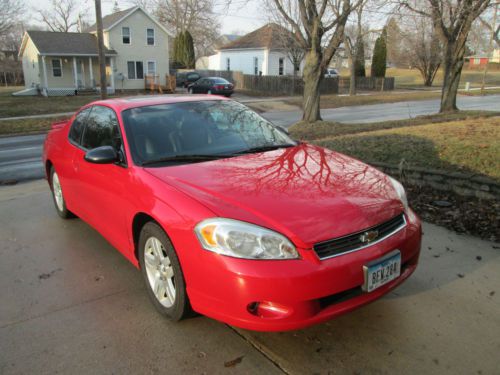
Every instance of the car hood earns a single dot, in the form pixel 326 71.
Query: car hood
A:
pixel 308 193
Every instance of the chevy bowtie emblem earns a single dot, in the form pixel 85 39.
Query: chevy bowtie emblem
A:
pixel 369 236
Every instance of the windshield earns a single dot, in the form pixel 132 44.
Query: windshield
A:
pixel 210 129
pixel 221 81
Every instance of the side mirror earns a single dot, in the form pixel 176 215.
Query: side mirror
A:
pixel 284 130
pixel 101 155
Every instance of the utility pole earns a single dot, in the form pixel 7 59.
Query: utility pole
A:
pixel 100 48
pixel 490 49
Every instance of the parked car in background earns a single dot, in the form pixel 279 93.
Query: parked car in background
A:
pixel 330 73
pixel 212 85
pixel 226 215
pixel 184 79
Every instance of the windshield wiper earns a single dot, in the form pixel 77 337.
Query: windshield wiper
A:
pixel 194 157
pixel 262 149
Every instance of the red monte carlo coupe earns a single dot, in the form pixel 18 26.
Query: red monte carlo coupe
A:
pixel 225 215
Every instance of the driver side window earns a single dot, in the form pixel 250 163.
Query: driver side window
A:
pixel 102 129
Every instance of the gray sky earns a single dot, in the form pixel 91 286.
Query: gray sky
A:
pixel 243 15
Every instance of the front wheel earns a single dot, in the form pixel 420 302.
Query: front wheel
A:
pixel 58 196
pixel 162 273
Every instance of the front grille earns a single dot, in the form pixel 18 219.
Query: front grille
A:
pixel 352 242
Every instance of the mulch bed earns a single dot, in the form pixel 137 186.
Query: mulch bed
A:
pixel 474 216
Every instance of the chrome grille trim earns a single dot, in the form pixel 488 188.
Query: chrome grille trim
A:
pixel 357 234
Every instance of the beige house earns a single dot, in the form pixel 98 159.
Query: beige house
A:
pixel 56 63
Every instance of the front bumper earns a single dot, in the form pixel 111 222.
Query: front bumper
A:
pixel 309 290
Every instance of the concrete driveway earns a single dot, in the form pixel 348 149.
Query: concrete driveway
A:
pixel 70 303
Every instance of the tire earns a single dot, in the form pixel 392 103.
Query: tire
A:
pixel 228 95
pixel 209 92
pixel 58 196
pixel 162 272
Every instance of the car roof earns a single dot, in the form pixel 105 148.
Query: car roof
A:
pixel 127 102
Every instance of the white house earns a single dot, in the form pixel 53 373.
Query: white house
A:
pixel 57 63
pixel 262 51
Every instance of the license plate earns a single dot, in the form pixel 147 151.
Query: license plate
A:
pixel 381 271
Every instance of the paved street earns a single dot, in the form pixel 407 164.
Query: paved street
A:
pixel 72 304
pixel 20 156
pixel 388 111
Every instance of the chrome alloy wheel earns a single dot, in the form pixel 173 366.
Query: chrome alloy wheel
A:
pixel 159 271
pixel 57 191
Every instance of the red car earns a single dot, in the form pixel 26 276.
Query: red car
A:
pixel 226 215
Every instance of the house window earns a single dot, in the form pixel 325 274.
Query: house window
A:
pixel 135 70
pixel 281 64
pixel 150 36
pixel 56 68
pixel 152 68
pixel 126 35
pixel 256 65
pixel 228 64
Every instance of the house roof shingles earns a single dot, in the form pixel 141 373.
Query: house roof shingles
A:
pixel 110 19
pixel 269 36
pixel 58 43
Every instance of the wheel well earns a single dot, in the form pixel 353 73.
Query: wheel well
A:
pixel 139 221
pixel 48 165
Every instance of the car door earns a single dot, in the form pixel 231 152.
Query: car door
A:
pixel 198 86
pixel 68 171
pixel 103 187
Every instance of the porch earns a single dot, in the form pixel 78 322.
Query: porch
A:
pixel 74 75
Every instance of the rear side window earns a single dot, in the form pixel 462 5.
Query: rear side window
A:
pixel 75 133
pixel 102 129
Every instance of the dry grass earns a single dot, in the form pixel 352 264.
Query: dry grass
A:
pixel 335 101
pixel 471 145
pixel 26 126
pixel 411 78
pixel 12 106
pixel 323 129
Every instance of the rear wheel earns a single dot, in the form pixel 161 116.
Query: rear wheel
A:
pixel 162 273
pixel 58 196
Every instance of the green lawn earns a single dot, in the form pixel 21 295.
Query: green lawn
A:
pixel 471 145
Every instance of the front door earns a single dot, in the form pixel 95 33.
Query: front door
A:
pixel 80 73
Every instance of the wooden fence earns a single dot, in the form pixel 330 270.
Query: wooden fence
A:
pixel 289 85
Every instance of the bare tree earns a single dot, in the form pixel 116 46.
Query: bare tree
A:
pixel 9 14
pixel 62 16
pixel 453 20
pixel 355 50
pixel 320 30
pixel 486 20
pixel 421 46
pixel 196 16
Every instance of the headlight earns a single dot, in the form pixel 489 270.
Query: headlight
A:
pixel 400 190
pixel 243 240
